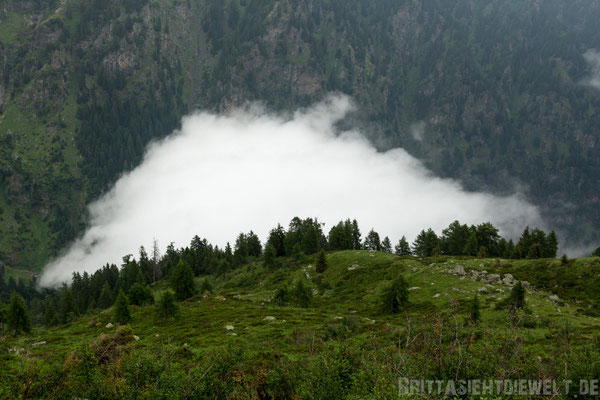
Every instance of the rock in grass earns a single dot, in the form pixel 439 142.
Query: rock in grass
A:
pixel 553 298
pixel 38 344
pixel 109 326
pixel 482 290
pixel 414 288
pixel 436 296
pixel 136 337
pixel 459 270
pixel 269 318
pixel 229 327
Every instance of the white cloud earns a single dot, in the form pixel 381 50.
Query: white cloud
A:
pixel 592 57
pixel 417 131
pixel 221 175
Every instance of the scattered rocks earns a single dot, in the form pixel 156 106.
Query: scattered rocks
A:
pixel 229 327
pixel 370 321
pixel 109 326
pixel 38 344
pixel 269 318
pixel 553 298
pixel 492 278
pixel 435 296
pixel 509 280
pixel 232 334
pixel 237 297
pixel 338 317
pixel 353 267
pixel 414 288
pixel 315 292
pixel 136 337
pixel 220 298
pixel 526 284
pixel 500 290
pixel 482 290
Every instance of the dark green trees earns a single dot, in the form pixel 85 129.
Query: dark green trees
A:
pixel 372 241
pixel 140 295
pixel 471 246
pixel 395 296
pixel 182 281
pixel 302 294
pixel 269 256
pixel 106 297
pixel 537 244
pixel 386 245
pixel 18 315
pixel 402 248
pixel 321 264
pixel 121 310
pixel 517 297
pixel 425 243
pixel 165 306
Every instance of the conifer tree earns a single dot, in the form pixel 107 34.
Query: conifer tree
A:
pixel 18 315
pixel 551 245
pixel 472 247
pixel 356 244
pixel 321 263
pixel 302 294
pixel 517 296
pixel 395 296
pixel 3 316
pixel 122 313
pixel 386 245
pixel 425 243
pixel 140 295
pixel 269 256
pixel 206 286
pixel 372 241
pixel 166 307
pixel 182 281
pixel 106 297
pixel 281 296
pixel 474 312
pixel 403 248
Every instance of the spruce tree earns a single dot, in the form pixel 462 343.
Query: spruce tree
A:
pixel 140 295
pixel 474 312
pixel 403 248
pixel 395 296
pixel 3 316
pixel 551 245
pixel 269 256
pixel 321 262
pixel 302 294
pixel 517 296
pixel 471 247
pixel 206 286
pixel 372 241
pixel 281 296
pixel 106 297
pixel 122 313
pixel 166 307
pixel 18 315
pixel 182 281
pixel 386 245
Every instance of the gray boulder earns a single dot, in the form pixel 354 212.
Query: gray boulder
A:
pixel 459 270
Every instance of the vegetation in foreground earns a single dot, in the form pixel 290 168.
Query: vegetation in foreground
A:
pixel 347 323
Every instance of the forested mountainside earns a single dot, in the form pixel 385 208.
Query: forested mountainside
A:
pixel 490 92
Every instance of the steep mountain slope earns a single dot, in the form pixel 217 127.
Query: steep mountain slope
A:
pixel 486 91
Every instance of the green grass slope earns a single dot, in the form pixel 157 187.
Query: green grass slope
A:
pixel 339 347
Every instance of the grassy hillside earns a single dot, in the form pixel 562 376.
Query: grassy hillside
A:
pixel 341 346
